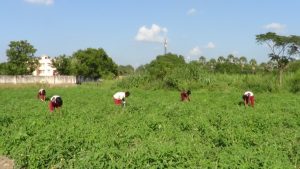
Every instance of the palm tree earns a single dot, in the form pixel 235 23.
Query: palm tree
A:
pixel 230 58
pixel 212 62
pixel 236 60
pixel 253 63
pixel 221 59
pixel 243 61
pixel 202 60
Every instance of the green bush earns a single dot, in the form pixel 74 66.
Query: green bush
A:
pixel 134 81
pixel 295 83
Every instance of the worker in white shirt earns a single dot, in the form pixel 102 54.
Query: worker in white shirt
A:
pixel 42 94
pixel 55 103
pixel 248 98
pixel 119 98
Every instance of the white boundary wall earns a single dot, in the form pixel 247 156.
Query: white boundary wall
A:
pixel 27 79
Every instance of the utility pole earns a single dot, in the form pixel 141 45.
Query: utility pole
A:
pixel 165 45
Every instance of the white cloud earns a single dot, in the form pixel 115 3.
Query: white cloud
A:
pixel 210 45
pixel 153 34
pixel 276 27
pixel 44 2
pixel 191 11
pixel 196 51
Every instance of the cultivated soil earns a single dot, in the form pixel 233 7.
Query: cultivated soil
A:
pixel 6 163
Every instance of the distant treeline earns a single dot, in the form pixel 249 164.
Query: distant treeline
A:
pixel 170 71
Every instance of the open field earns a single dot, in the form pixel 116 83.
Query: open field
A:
pixel 155 129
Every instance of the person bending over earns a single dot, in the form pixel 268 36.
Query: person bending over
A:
pixel 56 102
pixel 119 98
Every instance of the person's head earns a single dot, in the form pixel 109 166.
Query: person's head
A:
pixel 127 93
pixel 43 91
pixel 59 101
pixel 189 92
pixel 245 97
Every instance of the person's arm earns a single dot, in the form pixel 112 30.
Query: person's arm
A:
pixel 123 101
pixel 245 102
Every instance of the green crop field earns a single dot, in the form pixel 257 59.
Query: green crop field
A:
pixel 154 130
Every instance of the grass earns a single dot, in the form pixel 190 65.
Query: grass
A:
pixel 155 129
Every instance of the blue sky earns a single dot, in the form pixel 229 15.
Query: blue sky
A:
pixel 132 31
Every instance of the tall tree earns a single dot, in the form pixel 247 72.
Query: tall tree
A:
pixel 62 64
pixel 125 70
pixel 236 60
pixel 164 64
pixel 212 63
pixel 94 63
pixel 243 62
pixel 141 69
pixel 221 59
pixel 202 60
pixel 230 58
pixel 21 59
pixel 282 48
pixel 253 64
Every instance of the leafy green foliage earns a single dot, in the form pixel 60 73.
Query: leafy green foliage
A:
pixel 94 63
pixel 125 70
pixel 21 59
pixel 4 69
pixel 63 65
pixel 282 48
pixel 155 130
pixel 294 66
pixel 164 64
pixel 295 83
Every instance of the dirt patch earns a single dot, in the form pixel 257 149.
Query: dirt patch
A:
pixel 6 163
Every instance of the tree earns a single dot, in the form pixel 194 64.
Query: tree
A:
pixel 253 64
pixel 141 69
pixel 125 70
pixel 221 59
pixel 94 63
pixel 227 68
pixel 230 58
pixel 283 48
pixel 62 64
pixel 21 59
pixel 3 69
pixel 212 63
pixel 242 61
pixel 202 60
pixel 164 64
pixel 262 67
pixel 236 60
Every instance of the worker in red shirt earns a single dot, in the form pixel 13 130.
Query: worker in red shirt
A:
pixel 55 103
pixel 185 95
pixel 248 98
pixel 42 94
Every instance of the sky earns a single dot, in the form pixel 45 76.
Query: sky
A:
pixel 133 31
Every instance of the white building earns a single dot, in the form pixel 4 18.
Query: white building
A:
pixel 46 68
